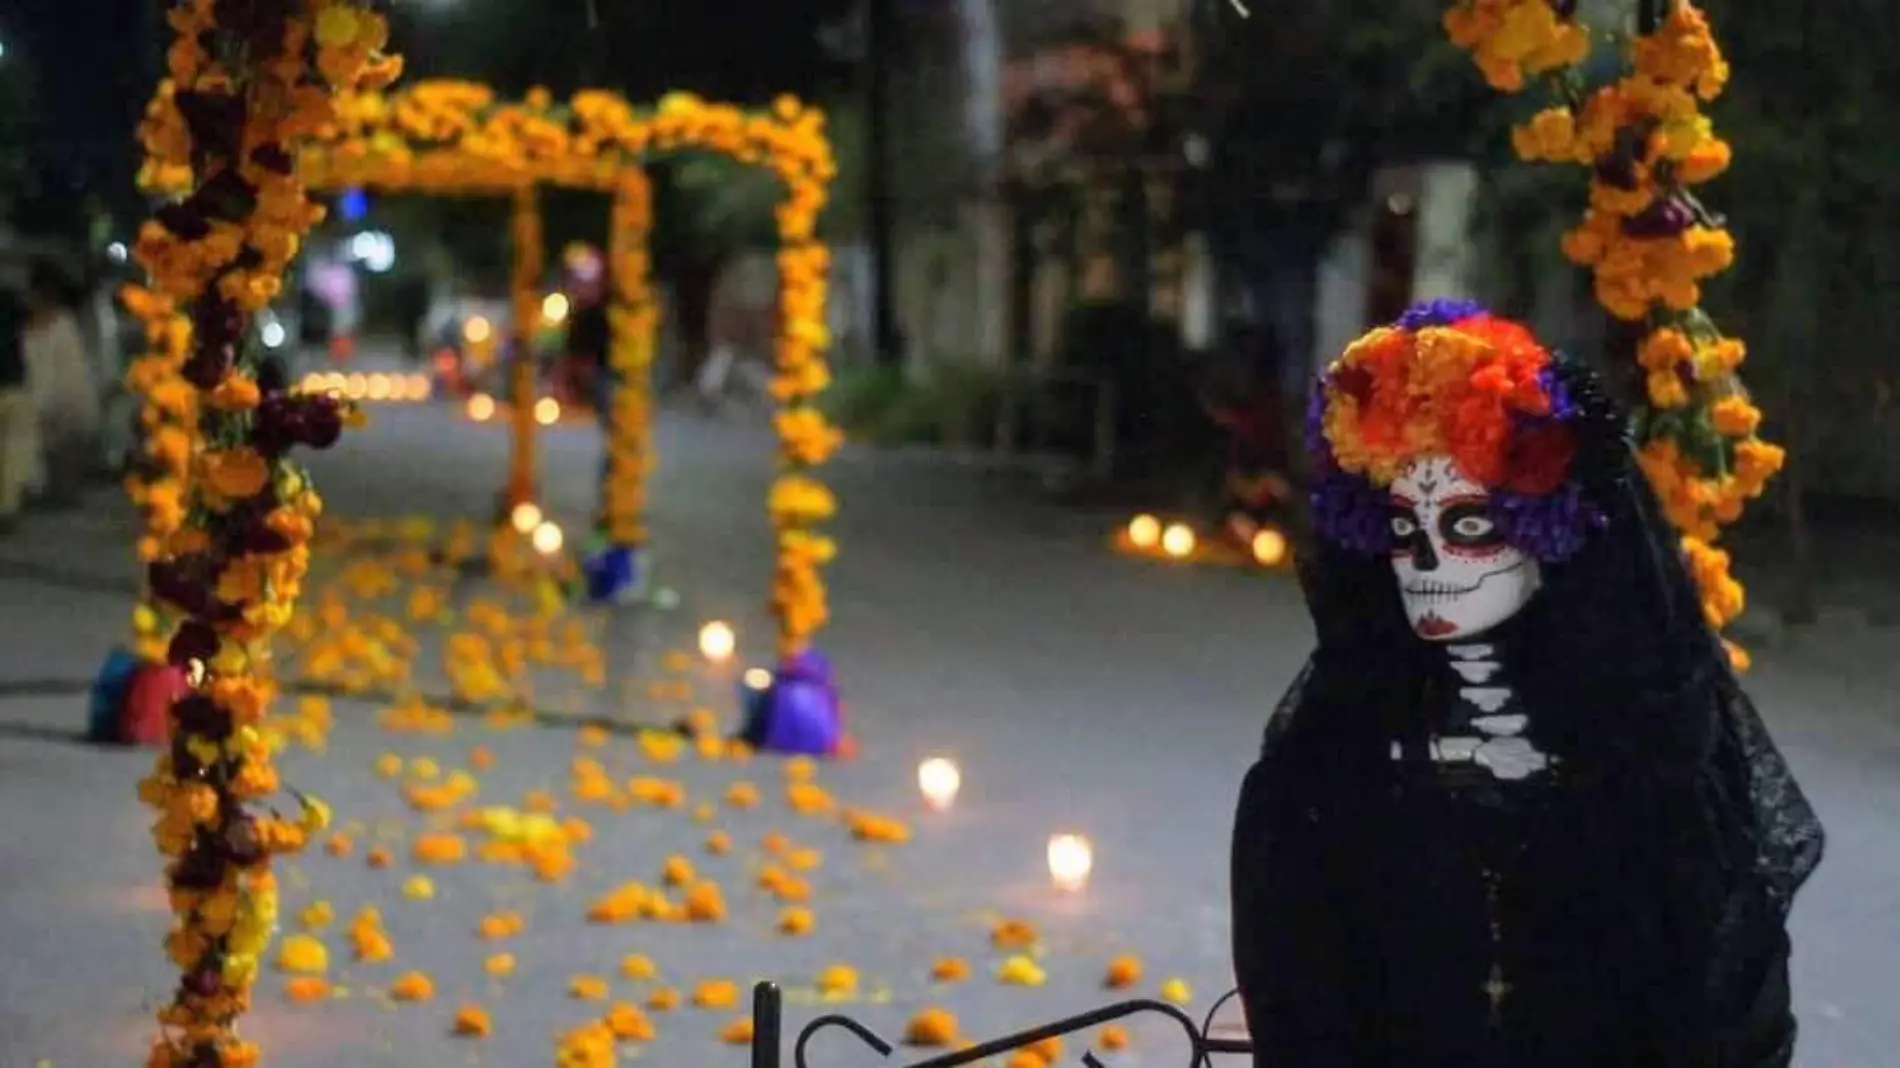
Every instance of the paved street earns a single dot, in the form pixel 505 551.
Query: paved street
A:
pixel 1079 691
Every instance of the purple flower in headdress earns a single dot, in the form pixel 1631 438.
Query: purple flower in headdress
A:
pixel 1563 407
pixel 1350 511
pixel 1440 311
pixel 1314 433
pixel 1551 527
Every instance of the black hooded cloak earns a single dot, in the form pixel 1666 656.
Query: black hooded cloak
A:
pixel 1625 908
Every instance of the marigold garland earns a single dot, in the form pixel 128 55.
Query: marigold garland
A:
pixel 525 286
pixel 168 433
pixel 455 137
pixel 247 83
pixel 633 323
pixel 1650 245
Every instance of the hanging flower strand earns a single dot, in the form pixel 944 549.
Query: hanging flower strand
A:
pixel 242 94
pixel 168 436
pixel 1650 245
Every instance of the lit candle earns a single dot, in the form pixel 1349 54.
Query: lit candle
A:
pixel 1144 531
pixel 939 780
pixel 1070 861
pixel 547 411
pixel 1177 541
pixel 1269 547
pixel 525 517
pixel 757 679
pixel 481 407
pixel 717 642
pixel 548 539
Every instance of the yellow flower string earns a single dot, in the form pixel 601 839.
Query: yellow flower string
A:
pixel 222 134
pixel 455 137
pixel 1650 245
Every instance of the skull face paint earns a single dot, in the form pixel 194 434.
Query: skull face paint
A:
pixel 1457 576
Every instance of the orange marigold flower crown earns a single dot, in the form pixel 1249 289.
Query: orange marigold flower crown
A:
pixel 1448 378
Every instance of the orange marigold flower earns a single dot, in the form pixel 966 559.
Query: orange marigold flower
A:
pixel 932 1027
pixel 1735 417
pixel 1123 972
pixel 236 393
pixel 306 989
pixel 738 1032
pixel 234 474
pixel 472 1021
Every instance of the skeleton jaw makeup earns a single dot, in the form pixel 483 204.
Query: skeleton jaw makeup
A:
pixel 1457 576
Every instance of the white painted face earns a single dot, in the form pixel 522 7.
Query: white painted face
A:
pixel 1457 576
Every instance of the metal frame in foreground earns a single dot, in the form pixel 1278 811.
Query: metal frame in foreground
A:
pixel 768 1038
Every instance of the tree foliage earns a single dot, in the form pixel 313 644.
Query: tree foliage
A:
pixel 720 49
pixel 16 130
pixel 1307 99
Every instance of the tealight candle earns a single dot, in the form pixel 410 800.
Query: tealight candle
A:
pixel 1144 531
pixel 717 641
pixel 1269 547
pixel 1070 861
pixel 548 539
pixel 1177 541
pixel 939 780
pixel 525 517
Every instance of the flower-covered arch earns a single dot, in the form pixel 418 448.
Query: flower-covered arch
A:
pixel 458 138
pixel 1648 241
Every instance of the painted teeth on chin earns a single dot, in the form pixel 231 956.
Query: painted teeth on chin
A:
pixel 1438 591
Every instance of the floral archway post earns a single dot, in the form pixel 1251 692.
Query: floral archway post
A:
pixel 450 136
pixel 247 85
pixel 1649 244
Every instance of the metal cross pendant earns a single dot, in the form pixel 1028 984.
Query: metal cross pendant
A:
pixel 1497 990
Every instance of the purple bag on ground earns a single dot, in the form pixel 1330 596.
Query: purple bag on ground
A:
pixel 798 712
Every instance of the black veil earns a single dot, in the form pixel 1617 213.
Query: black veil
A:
pixel 1619 626
pixel 1685 823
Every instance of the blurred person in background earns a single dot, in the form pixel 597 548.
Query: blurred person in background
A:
pixel 18 439
pixel 412 307
pixel 589 336
pixel 60 377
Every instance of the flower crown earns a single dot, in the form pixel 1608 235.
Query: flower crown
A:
pixel 1450 378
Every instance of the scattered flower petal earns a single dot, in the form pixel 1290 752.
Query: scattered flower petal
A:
pixel 1123 972
pixel 628 1023
pixel 303 954
pixel 931 1028
pixel 636 967
pixel 412 986
pixel 587 988
pixel 306 989
pixel 1021 971
pixel 738 1032
pixel 471 1021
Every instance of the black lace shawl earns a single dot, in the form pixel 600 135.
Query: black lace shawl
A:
pixel 1684 822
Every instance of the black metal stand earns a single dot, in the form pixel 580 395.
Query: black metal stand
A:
pixel 768 1034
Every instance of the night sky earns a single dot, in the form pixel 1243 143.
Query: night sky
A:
pixel 95 60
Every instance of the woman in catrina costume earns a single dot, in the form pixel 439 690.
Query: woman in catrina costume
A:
pixel 1515 812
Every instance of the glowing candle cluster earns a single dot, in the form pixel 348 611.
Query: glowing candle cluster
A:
pixel 374 386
